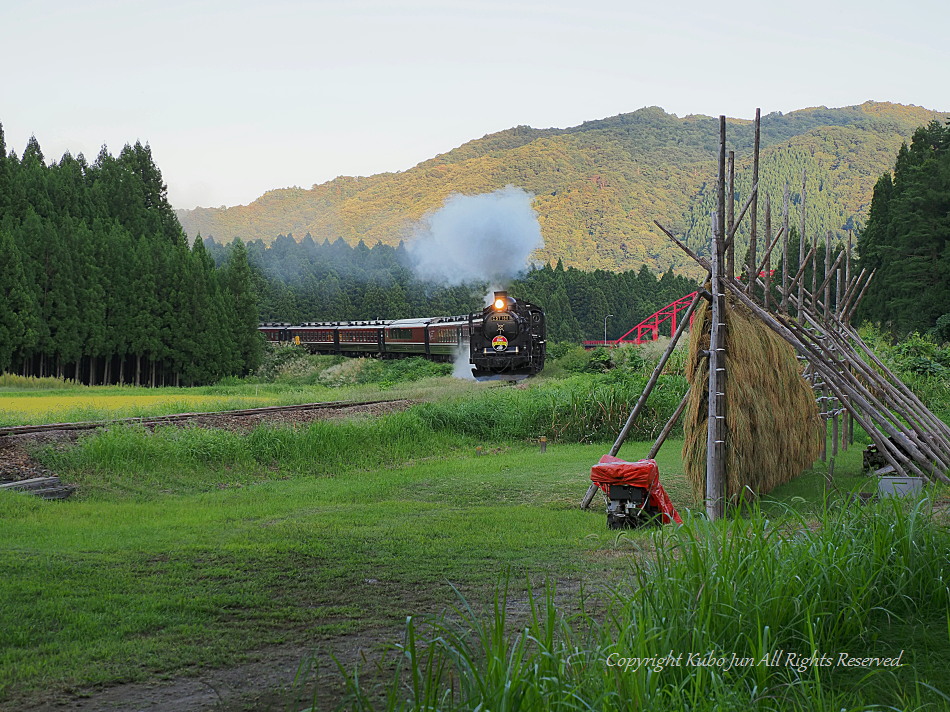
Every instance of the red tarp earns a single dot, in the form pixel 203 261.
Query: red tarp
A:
pixel 644 473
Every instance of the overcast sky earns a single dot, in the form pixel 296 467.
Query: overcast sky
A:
pixel 239 97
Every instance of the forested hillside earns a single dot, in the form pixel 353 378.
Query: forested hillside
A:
pixel 98 282
pixel 600 185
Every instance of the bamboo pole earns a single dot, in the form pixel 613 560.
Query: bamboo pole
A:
pixel 839 286
pixel 767 260
pixel 814 267
pixel 853 287
pixel 731 231
pixel 668 427
pixel 731 209
pixel 829 271
pixel 825 285
pixel 784 305
pixel 753 232
pixel 701 261
pixel 834 435
pixel 655 376
pixel 774 241
pixel 721 178
pixel 801 242
pixel 847 261
pixel 848 291
pixel 857 302
pixel 834 425
pixel 827 281
pixel 798 276
pixel 715 431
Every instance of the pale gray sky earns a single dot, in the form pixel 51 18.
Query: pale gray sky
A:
pixel 239 97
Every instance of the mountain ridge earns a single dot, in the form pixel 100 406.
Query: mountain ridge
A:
pixel 598 186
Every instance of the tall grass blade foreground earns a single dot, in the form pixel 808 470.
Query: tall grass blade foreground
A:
pixel 734 615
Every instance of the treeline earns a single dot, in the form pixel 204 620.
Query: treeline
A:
pixel 98 282
pixel 333 281
pixel 907 239
pixel 577 302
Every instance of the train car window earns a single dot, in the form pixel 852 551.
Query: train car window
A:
pixel 446 336
pixel 400 333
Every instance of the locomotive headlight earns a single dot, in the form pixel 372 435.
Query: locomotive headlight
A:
pixel 499 304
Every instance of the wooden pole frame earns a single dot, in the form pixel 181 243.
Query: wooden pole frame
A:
pixel 852 380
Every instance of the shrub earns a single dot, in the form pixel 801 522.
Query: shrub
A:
pixel 574 359
pixel 14 381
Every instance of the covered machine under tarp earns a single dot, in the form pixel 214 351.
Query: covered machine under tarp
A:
pixel 643 474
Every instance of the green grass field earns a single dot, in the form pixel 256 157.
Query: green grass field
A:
pixel 112 586
pixel 185 548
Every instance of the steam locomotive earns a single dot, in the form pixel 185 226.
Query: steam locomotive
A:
pixel 505 341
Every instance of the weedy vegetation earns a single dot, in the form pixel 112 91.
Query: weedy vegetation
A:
pixel 749 613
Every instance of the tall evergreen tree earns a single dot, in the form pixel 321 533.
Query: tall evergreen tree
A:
pixel 18 315
pixel 241 308
pixel 907 238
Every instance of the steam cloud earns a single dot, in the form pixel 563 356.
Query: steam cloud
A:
pixel 477 238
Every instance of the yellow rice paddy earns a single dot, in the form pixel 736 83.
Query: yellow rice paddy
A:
pixel 55 407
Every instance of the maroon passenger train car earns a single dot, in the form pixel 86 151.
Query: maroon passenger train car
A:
pixel 506 340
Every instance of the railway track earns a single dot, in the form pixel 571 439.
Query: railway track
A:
pixel 179 417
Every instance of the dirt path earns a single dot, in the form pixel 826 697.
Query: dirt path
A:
pixel 286 678
pixel 280 679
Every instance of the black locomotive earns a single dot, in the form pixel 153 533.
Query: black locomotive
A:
pixel 506 340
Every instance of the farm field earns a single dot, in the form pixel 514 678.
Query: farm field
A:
pixel 51 408
pixel 188 551
pixel 83 403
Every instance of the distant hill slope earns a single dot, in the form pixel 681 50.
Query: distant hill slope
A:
pixel 600 185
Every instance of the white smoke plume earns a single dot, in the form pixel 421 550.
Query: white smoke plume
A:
pixel 461 366
pixel 477 238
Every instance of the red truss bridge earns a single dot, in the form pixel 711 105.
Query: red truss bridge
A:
pixel 649 328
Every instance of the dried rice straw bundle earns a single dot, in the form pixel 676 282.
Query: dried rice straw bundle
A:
pixel 771 415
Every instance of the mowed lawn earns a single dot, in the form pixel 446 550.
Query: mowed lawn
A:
pixel 117 584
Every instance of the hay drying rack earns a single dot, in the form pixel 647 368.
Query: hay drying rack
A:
pixel 851 384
